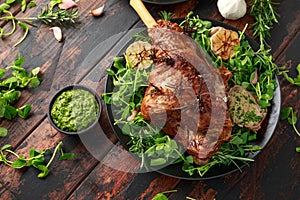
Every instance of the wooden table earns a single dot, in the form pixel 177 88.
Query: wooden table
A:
pixel 82 57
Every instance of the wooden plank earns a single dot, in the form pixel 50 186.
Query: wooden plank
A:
pixel 115 178
pixel 68 174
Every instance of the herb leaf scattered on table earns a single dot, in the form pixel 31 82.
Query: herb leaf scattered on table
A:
pixel 37 158
pixel 10 86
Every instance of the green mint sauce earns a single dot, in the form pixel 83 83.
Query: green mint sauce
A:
pixel 74 110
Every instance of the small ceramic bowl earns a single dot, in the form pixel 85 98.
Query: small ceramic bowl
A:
pixel 68 88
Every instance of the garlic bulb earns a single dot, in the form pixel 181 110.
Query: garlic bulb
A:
pixel 232 9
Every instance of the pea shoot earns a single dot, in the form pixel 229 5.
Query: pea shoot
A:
pixel 37 158
pixel 13 79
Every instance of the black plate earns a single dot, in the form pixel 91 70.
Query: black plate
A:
pixel 164 2
pixel 267 130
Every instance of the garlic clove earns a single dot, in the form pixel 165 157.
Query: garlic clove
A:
pixel 66 4
pixel 57 33
pixel 97 12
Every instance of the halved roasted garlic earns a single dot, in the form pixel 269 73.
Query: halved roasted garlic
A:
pixel 223 42
pixel 139 54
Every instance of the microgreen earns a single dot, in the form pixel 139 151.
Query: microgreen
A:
pixel 13 79
pixel 294 81
pixel 162 196
pixel 289 114
pixel 37 158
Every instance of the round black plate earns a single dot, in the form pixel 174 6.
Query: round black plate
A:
pixel 265 135
pixel 164 2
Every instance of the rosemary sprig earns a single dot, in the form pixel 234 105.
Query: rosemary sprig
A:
pixel 265 15
pixel 53 17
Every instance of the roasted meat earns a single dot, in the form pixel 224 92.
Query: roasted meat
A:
pixel 186 93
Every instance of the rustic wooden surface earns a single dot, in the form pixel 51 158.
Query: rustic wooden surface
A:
pixel 86 51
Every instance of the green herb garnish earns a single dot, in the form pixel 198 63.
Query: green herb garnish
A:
pixel 10 89
pixel 289 114
pixel 37 158
pixel 162 196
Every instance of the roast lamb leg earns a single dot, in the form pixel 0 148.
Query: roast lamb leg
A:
pixel 186 93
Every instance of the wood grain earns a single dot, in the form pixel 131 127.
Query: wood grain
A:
pixel 97 171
